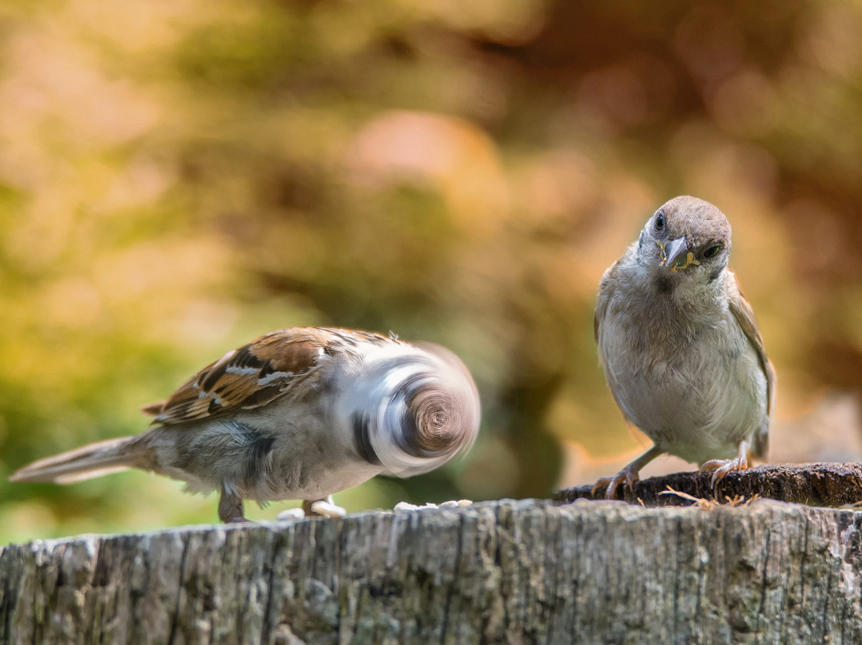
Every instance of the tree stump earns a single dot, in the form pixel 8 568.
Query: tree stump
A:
pixel 497 572
pixel 812 484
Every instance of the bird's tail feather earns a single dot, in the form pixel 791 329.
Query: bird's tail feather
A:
pixel 93 460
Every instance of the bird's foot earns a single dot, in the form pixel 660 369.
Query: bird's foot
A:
pixel 290 515
pixel 327 509
pixel 721 467
pixel 230 507
pixel 323 508
pixel 629 475
pixel 238 519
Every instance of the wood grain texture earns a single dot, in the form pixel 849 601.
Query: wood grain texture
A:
pixel 495 572
pixel 827 484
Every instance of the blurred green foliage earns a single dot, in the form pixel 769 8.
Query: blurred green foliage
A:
pixel 179 177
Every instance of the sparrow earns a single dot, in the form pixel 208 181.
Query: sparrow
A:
pixel 299 413
pixel 680 347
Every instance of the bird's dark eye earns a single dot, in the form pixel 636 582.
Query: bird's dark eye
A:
pixel 712 251
pixel 659 222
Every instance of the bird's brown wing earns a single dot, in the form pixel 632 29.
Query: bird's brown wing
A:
pixel 249 377
pixel 603 298
pixel 744 315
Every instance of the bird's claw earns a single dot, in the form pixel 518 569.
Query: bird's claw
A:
pixel 325 508
pixel 238 519
pixel 627 475
pixel 721 467
pixel 291 515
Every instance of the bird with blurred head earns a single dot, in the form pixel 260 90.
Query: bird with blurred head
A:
pixel 299 413
pixel 680 347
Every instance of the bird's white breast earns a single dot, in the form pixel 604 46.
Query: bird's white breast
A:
pixel 696 390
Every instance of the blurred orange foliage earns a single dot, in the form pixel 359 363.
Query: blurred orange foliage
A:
pixel 179 177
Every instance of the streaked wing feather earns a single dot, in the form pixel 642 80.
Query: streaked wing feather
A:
pixel 249 377
pixel 153 409
pixel 744 315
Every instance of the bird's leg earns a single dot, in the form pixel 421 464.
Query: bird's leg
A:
pixel 629 474
pixel 322 508
pixel 230 507
pixel 723 466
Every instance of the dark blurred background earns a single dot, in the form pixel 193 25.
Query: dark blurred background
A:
pixel 178 177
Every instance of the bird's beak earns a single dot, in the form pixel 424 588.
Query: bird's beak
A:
pixel 676 255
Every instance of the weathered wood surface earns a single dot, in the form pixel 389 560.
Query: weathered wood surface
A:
pixel 496 572
pixel 812 484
